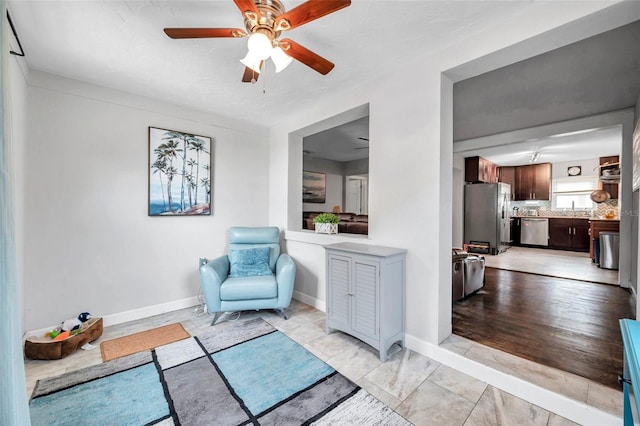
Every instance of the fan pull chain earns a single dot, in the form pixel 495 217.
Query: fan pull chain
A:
pixel 264 79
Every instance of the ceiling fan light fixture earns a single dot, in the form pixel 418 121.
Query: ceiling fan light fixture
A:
pixel 280 59
pixel 260 45
pixel 251 61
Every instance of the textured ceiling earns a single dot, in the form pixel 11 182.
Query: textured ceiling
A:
pixel 120 44
pixel 593 76
pixel 587 145
pixel 347 142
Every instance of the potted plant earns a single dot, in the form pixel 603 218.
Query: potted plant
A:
pixel 326 223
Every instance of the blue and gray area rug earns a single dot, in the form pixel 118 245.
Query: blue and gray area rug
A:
pixel 246 373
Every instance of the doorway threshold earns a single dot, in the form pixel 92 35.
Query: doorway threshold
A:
pixel 552 263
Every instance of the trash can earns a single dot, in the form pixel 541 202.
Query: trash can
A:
pixel 609 250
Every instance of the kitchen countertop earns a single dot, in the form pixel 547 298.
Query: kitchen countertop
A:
pixel 566 217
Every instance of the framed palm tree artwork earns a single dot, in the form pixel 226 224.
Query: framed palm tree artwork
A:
pixel 179 173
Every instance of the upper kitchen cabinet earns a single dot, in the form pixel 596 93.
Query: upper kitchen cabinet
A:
pixel 610 175
pixel 507 174
pixel 480 170
pixel 533 182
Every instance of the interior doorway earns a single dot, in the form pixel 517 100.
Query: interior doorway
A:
pixel 357 194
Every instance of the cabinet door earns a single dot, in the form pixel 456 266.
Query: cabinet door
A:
pixel 581 237
pixel 507 174
pixel 478 169
pixel 472 169
pixel 492 172
pixel 541 185
pixel 560 233
pixel 338 306
pixel 524 183
pixel 366 276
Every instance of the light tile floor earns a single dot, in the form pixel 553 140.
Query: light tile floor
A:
pixel 556 263
pixel 420 389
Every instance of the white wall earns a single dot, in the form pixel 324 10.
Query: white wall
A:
pixel 18 117
pixel 559 170
pixel 89 244
pixel 357 167
pixel 635 228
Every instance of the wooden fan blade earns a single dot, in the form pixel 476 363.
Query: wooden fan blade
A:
pixel 307 57
pixel 204 32
pixel 250 76
pixel 307 12
pixel 247 5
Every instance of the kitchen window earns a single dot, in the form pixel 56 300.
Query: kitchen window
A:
pixel 573 192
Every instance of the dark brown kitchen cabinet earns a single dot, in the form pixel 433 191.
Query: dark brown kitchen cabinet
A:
pixel 533 182
pixel 569 234
pixel 581 237
pixel 478 169
pixel 515 231
pixel 507 174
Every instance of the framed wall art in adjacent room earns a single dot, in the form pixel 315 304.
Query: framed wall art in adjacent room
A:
pixel 179 173
pixel 314 187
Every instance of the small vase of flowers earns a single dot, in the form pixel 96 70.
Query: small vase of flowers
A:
pixel 326 223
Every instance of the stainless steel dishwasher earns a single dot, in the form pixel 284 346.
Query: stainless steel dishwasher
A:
pixel 534 231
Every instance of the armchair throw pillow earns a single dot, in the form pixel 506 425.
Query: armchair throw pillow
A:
pixel 249 262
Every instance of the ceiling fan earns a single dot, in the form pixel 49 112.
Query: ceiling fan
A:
pixel 264 20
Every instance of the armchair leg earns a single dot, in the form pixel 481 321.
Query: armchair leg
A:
pixel 215 318
pixel 282 313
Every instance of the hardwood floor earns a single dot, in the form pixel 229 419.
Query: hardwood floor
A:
pixel 566 324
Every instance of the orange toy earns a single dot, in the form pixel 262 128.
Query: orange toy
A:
pixel 62 335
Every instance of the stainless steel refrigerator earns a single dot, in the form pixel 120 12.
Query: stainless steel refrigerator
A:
pixel 487 216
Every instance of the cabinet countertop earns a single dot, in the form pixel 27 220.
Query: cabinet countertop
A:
pixel 366 249
pixel 567 217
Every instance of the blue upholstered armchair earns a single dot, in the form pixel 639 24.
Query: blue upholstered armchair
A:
pixel 253 274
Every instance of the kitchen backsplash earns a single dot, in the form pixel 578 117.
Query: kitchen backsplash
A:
pixel 543 208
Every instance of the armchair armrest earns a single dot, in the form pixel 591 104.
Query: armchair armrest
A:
pixel 285 277
pixel 212 275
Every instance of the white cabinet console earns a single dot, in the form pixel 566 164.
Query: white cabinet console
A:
pixel 365 293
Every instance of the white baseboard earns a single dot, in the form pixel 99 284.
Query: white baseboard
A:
pixel 311 301
pixel 571 409
pixel 149 311
pixel 132 315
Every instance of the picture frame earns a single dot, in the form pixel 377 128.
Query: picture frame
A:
pixel 314 187
pixel 180 170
